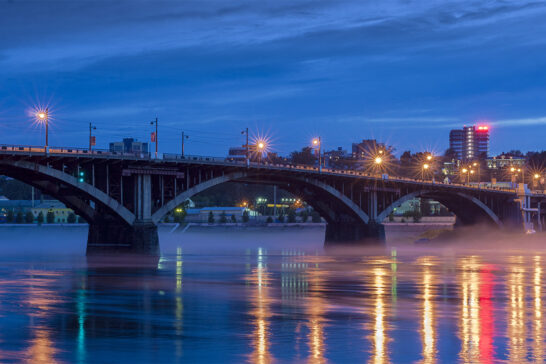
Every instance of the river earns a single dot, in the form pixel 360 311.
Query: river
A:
pixel 269 296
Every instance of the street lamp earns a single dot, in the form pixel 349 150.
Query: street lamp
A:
pixel 92 140
pixel 260 147
pixel 43 117
pixel 426 166
pixel 378 160
pixel 318 144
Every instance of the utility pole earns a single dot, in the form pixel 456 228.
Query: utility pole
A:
pixel 274 201
pixel 47 129
pixel 246 147
pixel 155 136
pixel 91 141
pixel 184 137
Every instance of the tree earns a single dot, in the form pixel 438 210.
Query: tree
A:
pixel 71 219
pixel 223 217
pixel 19 217
pixel 269 220
pixel 246 217
pixel 81 220
pixel 304 216
pixel 40 218
pixel 29 217
pixel 315 217
pixel 211 217
pixel 9 216
pixel 50 217
pixel 306 156
pixel 291 216
pixel 233 218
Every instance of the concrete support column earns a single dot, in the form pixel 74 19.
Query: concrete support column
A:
pixel 372 205
pixel 107 237
pixel 354 233
pixel 146 197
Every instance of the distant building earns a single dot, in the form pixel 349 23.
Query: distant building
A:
pixel 129 145
pixel 333 156
pixel 504 161
pixel 237 154
pixel 470 142
pixel 366 148
pixel 59 210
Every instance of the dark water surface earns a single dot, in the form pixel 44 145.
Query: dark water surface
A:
pixel 267 297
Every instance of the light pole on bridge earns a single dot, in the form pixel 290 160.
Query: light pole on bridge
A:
pixel 184 137
pixel 317 143
pixel 155 136
pixel 43 116
pixel 92 140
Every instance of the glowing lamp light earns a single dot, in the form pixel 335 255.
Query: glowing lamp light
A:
pixel 378 160
pixel 429 157
pixel 472 171
pixel 261 145
pixel 464 170
pixel 426 166
pixel 315 141
pixel 41 115
pixel 483 128
pixel 512 169
pixel 536 176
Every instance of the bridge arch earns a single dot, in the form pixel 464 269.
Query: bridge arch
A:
pixel 296 185
pixel 453 201
pixel 56 183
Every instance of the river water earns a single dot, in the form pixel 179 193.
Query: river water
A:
pixel 263 297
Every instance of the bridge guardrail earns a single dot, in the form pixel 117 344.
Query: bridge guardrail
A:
pixel 171 156
pixel 69 150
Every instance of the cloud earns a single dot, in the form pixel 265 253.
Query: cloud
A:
pixel 541 120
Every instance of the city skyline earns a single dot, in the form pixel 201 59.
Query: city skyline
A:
pixel 404 73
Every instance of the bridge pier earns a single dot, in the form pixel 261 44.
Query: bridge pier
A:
pixel 113 237
pixel 354 233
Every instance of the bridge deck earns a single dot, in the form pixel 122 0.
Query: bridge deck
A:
pixel 37 151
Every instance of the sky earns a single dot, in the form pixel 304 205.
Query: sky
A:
pixel 404 72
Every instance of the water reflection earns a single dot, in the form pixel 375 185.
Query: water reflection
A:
pixel 469 323
pixel 379 313
pixel 428 320
pixel 179 306
pixel 261 306
pixel 538 349
pixel 41 298
pixel 516 311
pixel 294 307
pixel 315 308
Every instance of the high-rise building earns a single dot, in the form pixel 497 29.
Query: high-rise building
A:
pixel 470 142
pixel 129 145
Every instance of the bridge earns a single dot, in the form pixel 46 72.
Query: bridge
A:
pixel 123 197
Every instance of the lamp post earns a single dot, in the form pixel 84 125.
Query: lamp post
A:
pixel 467 171
pixel 425 168
pixel 91 139
pixel 43 116
pixel 260 147
pixel 156 137
pixel 478 167
pixel 246 147
pixel 318 144
pixel 183 138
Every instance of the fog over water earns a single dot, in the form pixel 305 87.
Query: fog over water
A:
pixel 221 295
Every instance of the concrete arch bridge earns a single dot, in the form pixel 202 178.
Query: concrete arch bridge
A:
pixel 124 196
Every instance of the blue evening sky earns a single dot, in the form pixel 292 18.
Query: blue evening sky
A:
pixel 404 72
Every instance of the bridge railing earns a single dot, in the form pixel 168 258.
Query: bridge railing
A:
pixel 4 148
pixel 71 151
